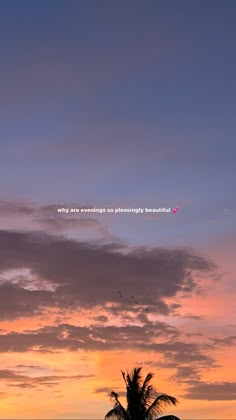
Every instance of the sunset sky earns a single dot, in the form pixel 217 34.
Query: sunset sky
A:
pixel 117 104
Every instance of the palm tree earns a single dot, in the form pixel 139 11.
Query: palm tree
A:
pixel 143 401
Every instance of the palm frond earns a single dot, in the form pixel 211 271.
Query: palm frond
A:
pixel 146 381
pixel 160 402
pixel 118 412
pixel 148 396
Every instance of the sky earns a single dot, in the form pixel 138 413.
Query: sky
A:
pixel 117 105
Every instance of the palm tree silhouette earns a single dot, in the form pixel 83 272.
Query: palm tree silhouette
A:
pixel 143 401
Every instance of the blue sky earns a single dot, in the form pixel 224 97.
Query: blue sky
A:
pixel 108 103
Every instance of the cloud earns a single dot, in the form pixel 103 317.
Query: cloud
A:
pixel 103 390
pixel 186 373
pixel 46 216
pixel 180 352
pixel 15 379
pixel 215 391
pixel 225 341
pixel 17 302
pixel 154 338
pixel 86 274
pixel 94 337
pixel 101 318
pixel 106 390
pixel 29 366
pixel 194 317
pixel 9 208
pixel 64 274
pixel 61 223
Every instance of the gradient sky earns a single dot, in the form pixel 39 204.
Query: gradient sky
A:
pixel 117 104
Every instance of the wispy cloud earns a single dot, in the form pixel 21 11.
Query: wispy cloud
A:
pixel 14 379
pixel 215 391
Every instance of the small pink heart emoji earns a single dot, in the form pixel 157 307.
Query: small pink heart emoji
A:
pixel 175 209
